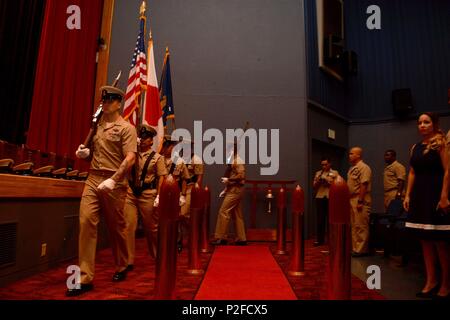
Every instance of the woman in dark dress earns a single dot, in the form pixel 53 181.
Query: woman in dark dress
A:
pixel 427 203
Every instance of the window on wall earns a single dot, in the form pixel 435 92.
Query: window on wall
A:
pixel 330 33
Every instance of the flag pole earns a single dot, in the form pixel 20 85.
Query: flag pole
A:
pixel 172 119
pixel 140 112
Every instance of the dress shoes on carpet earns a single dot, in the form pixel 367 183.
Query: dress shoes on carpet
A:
pixel 219 242
pixel 240 243
pixel 83 288
pixel 119 276
pixel 429 294
pixel 317 244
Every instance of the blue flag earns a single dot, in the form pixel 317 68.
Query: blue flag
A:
pixel 165 91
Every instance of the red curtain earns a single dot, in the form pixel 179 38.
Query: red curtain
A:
pixel 65 78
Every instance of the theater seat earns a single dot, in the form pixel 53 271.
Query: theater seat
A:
pixel 60 173
pixel 44 171
pixel 72 175
pixel 83 176
pixel 6 165
pixel 24 169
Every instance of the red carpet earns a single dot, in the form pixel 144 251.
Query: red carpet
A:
pixel 244 273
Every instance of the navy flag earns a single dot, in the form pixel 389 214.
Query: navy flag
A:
pixel 165 91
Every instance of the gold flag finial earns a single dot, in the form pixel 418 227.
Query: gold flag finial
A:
pixel 167 49
pixel 143 8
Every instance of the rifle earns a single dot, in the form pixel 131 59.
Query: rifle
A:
pixel 97 116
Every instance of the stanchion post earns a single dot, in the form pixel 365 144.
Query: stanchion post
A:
pixel 281 223
pixel 166 260
pixel 297 263
pixel 197 208
pixel 339 267
pixel 204 237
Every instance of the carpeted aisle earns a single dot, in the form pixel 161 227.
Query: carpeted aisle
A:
pixel 244 273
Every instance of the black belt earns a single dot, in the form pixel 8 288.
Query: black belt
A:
pixel 137 190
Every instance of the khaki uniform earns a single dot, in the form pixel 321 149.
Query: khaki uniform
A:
pixel 143 204
pixel 110 145
pixel 392 173
pixel 195 168
pixel 322 196
pixel 232 204
pixel 179 171
pixel 357 175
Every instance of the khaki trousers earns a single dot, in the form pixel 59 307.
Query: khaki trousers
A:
pixel 231 208
pixel 388 197
pixel 360 226
pixel 110 204
pixel 185 210
pixel 150 219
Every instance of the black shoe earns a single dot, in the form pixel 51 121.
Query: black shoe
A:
pixel 76 292
pixel 130 267
pixel 240 243
pixel 119 276
pixel 441 298
pixel 219 242
pixel 429 294
pixel 317 244
pixel 179 246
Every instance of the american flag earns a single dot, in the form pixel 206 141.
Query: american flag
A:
pixel 137 80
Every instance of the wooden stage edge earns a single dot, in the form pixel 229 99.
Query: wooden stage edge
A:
pixel 14 186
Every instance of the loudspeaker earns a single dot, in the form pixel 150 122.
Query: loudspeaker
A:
pixel 350 63
pixel 402 101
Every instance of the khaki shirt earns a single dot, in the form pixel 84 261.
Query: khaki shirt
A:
pixel 196 166
pixel 111 144
pixel 156 167
pixel 180 171
pixel 392 173
pixel 237 173
pixel 323 190
pixel 357 175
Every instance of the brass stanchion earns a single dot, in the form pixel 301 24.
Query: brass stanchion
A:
pixel 281 225
pixel 339 269
pixel 166 261
pixel 204 237
pixel 297 263
pixel 197 207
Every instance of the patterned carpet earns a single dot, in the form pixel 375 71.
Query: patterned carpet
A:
pixel 51 284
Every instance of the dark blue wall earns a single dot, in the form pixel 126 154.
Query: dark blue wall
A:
pixel 412 50
pixel 322 88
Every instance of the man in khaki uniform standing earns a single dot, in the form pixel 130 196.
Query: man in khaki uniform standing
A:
pixel 394 178
pixel 142 193
pixel 322 182
pixel 359 180
pixel 112 154
pixel 234 181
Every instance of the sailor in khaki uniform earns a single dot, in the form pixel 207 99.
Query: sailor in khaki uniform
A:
pixel 113 153
pixel 196 170
pixel 142 193
pixel 176 166
pixel 234 181
pixel 394 178
pixel 359 180
pixel 322 182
